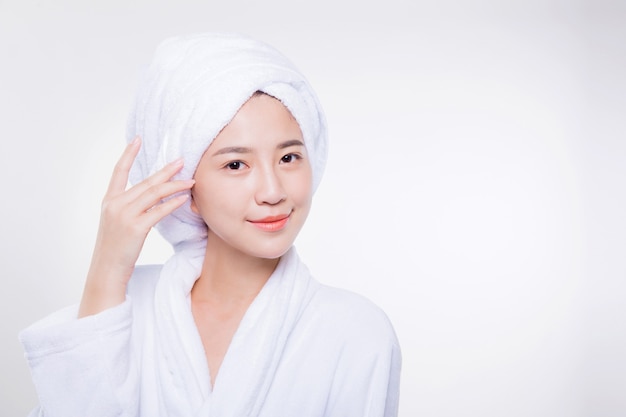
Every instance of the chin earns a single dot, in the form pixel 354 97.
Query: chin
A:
pixel 272 254
pixel 272 251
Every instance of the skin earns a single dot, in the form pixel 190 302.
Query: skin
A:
pixel 256 167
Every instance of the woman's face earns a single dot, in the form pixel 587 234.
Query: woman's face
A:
pixel 254 183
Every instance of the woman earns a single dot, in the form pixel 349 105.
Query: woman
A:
pixel 227 144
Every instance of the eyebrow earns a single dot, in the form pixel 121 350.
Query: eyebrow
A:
pixel 289 143
pixel 242 149
pixel 233 149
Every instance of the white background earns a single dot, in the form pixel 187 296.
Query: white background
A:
pixel 475 189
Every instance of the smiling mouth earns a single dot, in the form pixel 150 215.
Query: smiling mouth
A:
pixel 271 223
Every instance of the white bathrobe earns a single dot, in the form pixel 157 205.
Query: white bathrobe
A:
pixel 302 349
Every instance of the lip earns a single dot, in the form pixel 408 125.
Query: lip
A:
pixel 271 223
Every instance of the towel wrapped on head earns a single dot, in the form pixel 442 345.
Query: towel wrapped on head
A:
pixel 193 88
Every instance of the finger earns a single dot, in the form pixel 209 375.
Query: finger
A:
pixel 158 212
pixel 119 179
pixel 153 196
pixel 160 177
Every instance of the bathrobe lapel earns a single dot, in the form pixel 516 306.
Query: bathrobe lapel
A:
pixel 254 354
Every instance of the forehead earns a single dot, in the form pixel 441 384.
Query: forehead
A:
pixel 261 120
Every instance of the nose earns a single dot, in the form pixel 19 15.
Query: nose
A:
pixel 269 188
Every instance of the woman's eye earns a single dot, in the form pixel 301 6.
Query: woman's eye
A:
pixel 235 165
pixel 290 157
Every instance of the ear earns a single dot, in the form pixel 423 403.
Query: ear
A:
pixel 192 204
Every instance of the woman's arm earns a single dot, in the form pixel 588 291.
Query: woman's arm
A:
pixel 127 217
pixel 82 359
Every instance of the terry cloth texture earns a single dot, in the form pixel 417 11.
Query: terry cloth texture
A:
pixel 302 349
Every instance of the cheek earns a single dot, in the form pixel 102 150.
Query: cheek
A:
pixel 302 190
pixel 210 197
pixel 222 198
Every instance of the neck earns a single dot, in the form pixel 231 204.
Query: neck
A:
pixel 230 277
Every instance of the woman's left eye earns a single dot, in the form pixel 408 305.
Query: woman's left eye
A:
pixel 290 157
pixel 235 165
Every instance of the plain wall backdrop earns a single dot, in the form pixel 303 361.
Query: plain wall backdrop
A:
pixel 475 187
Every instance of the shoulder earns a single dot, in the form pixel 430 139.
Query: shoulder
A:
pixel 354 319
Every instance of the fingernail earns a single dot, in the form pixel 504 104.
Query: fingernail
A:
pixel 134 141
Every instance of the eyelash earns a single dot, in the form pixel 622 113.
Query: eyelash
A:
pixel 295 157
pixel 238 165
pixel 230 165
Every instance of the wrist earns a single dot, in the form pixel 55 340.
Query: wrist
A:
pixel 103 290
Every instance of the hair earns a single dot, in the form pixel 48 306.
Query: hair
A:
pixel 258 93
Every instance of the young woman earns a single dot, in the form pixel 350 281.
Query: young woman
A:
pixel 227 145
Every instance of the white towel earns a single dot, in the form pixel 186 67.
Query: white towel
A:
pixel 192 89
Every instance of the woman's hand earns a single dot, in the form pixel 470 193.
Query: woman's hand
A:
pixel 126 218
